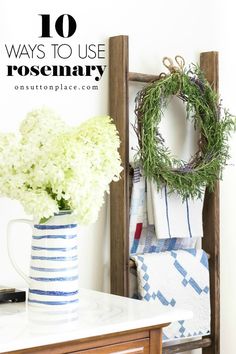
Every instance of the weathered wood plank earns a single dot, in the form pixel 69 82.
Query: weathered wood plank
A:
pixel 211 223
pixel 118 100
pixel 139 77
pixel 183 347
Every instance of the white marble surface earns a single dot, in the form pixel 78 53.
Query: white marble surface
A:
pixel 23 326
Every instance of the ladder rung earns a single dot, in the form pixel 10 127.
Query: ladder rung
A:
pixel 139 77
pixel 178 348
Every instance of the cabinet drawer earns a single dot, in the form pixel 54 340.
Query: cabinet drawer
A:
pixel 135 347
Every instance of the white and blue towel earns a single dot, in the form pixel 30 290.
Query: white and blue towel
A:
pixel 150 232
pixel 177 280
pixel 171 216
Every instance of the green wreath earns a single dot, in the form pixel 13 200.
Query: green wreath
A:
pixel 188 179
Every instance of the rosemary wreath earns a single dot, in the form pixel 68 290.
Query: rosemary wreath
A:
pixel 188 179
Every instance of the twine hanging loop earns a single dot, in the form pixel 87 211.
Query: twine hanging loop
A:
pixel 169 64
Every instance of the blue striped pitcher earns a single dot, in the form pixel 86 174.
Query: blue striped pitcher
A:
pixel 53 276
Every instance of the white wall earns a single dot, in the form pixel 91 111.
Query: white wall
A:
pixel 228 186
pixel 155 29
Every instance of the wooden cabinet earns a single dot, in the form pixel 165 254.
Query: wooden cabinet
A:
pixel 146 341
pixel 138 347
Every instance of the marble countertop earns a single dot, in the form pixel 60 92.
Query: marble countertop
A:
pixel 23 326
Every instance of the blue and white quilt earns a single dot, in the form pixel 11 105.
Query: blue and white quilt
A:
pixel 177 280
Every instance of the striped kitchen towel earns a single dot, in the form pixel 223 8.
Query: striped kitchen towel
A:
pixel 177 280
pixel 142 234
pixel 171 216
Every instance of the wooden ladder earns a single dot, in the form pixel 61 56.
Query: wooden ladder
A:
pixel 119 77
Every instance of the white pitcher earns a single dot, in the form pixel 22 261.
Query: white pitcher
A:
pixel 53 276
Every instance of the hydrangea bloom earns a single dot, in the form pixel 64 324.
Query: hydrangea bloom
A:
pixel 53 166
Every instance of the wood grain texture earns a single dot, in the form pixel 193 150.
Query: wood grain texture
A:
pixel 118 102
pixel 156 341
pixel 179 348
pixel 139 77
pixel 136 347
pixel 88 343
pixel 211 222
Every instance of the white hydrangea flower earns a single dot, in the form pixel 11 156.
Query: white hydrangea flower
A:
pixel 53 166
pixel 41 124
pixel 38 203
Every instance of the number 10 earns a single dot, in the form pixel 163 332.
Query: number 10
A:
pixel 59 26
